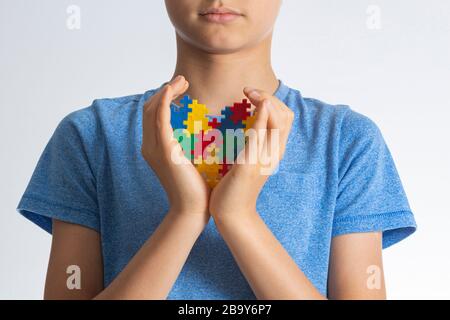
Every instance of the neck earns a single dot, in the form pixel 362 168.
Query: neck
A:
pixel 217 80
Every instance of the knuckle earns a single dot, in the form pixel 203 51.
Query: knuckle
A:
pixel 167 89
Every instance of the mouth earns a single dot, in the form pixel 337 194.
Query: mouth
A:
pixel 220 15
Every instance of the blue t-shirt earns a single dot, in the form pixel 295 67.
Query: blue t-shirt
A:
pixel 337 177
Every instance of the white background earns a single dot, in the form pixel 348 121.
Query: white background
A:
pixel 398 75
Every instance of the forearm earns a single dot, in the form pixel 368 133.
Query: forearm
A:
pixel 154 269
pixel 267 266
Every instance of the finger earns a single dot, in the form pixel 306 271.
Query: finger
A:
pixel 263 138
pixel 258 135
pixel 170 92
pixel 260 124
pixel 150 110
pixel 178 85
pixel 269 147
pixel 280 118
pixel 274 116
pixel 262 115
pixel 257 98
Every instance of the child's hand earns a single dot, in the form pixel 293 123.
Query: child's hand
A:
pixel 187 191
pixel 236 194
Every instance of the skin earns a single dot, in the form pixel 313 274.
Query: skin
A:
pixel 208 52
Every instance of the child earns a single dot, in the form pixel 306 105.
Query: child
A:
pixel 139 226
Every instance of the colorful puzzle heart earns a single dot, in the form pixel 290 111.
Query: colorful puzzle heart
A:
pixel 211 142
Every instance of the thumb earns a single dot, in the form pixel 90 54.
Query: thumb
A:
pixel 256 135
pixel 170 92
pixel 260 97
pixel 262 116
pixel 256 96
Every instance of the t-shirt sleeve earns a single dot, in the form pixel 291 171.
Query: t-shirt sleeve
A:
pixel 63 185
pixel 370 194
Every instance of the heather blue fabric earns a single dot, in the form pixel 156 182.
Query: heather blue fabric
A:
pixel 337 177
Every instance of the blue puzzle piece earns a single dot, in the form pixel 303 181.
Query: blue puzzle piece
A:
pixel 186 101
pixel 178 114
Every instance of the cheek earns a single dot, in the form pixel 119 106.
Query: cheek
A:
pixel 180 12
pixel 262 15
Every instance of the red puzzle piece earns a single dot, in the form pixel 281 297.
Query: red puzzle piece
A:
pixel 240 111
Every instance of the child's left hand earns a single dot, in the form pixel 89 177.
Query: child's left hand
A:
pixel 236 194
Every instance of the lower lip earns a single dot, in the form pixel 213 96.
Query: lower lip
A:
pixel 220 17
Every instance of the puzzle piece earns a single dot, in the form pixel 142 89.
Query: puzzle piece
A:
pixel 210 172
pixel 216 144
pixel 225 167
pixel 240 111
pixel 197 119
pixel 186 101
pixel 202 141
pixel 205 147
pixel 214 121
pixel 179 114
pixel 249 122
pixel 185 139
pixel 212 155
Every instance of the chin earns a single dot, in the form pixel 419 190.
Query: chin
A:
pixel 220 49
pixel 221 43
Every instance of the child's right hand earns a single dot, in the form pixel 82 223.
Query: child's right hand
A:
pixel 187 191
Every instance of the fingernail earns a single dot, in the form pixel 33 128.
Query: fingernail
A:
pixel 177 78
pixel 254 94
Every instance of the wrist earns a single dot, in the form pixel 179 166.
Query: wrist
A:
pixel 235 219
pixel 191 219
pixel 195 211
